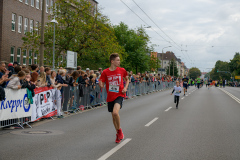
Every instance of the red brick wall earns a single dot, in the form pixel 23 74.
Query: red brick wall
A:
pixel 1 13
pixel 13 38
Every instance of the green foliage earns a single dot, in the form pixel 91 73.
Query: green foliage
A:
pixel 194 73
pixel 220 66
pixel 135 44
pixel 234 65
pixel 172 65
pixel 79 30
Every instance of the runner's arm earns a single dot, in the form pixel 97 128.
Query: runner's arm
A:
pixel 126 79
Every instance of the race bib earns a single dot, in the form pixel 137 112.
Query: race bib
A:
pixel 114 88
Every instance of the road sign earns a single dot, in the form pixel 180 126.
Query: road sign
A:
pixel 71 59
pixel 237 77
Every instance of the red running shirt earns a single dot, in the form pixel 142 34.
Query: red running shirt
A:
pixel 114 82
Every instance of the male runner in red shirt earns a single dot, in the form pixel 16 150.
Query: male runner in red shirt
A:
pixel 113 77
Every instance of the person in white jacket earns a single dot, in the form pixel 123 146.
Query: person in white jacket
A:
pixel 14 82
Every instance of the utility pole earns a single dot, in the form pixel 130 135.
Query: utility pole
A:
pixel 42 33
pixel 162 60
pixel 173 67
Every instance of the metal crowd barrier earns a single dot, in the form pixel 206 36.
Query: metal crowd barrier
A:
pixel 95 96
pixel 17 121
pixel 85 97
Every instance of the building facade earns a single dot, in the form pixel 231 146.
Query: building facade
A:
pixel 165 59
pixel 16 18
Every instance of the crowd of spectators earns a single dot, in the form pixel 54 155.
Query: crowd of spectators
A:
pixel 15 76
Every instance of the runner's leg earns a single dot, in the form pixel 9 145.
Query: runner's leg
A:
pixel 116 117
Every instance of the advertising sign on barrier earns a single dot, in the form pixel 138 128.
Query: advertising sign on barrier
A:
pixel 15 105
pixel 43 106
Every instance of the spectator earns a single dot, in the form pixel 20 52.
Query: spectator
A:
pixel 11 69
pixel 14 83
pixel 53 80
pixel 73 79
pixel 80 78
pixel 41 70
pixel 91 72
pixel 15 64
pixel 61 77
pixel 34 68
pixel 26 83
pixel 48 75
pixel 88 72
pixel 3 71
pixel 79 69
pixel 100 71
pixel 42 80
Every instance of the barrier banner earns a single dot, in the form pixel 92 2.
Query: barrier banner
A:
pixel 43 106
pixel 15 105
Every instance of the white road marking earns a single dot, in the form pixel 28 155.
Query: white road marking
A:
pixel 115 149
pixel 189 93
pixel 186 95
pixel 151 122
pixel 168 109
pixel 232 96
pixel 183 98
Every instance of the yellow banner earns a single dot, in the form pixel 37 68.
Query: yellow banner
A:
pixel 237 77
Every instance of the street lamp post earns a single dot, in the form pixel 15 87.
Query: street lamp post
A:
pixel 54 21
pixel 162 59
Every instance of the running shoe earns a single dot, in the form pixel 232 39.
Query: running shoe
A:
pixel 117 139
pixel 120 134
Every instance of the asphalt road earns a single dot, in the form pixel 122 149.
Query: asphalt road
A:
pixel 206 126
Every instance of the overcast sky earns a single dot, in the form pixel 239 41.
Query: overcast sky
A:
pixel 208 29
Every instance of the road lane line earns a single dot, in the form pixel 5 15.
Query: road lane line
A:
pixel 168 109
pixel 151 122
pixel 232 96
pixel 115 149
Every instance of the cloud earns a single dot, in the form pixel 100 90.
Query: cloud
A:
pixel 207 29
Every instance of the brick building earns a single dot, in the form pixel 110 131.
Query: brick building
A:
pixel 16 18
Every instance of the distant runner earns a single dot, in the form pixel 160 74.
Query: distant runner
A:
pixel 177 90
pixel 185 83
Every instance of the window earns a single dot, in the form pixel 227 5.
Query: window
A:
pixel 20 24
pixel 36 28
pixel 12 55
pixel 26 2
pixel 35 58
pixel 32 3
pixel 13 22
pixel 25 25
pixel 24 56
pixel 19 55
pixel 51 9
pixel 30 57
pixel 41 4
pixel 37 4
pixel 31 26
pixel 47 5
pixel 20 0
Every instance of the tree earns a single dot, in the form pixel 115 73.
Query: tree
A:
pixel 194 73
pixel 154 64
pixel 80 30
pixel 172 63
pixel 135 44
pixel 234 64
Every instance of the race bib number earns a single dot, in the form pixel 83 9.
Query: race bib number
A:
pixel 114 88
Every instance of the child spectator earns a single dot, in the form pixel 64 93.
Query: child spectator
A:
pixel 14 83
pixel 57 101
pixel 42 80
pixel 26 83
